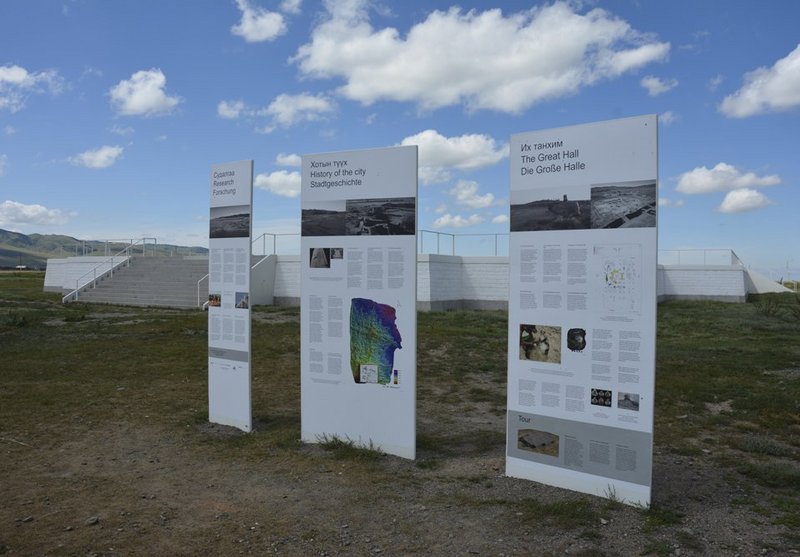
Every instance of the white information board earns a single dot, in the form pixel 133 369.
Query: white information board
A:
pixel 582 307
pixel 230 228
pixel 358 298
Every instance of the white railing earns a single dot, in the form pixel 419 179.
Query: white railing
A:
pixel 268 238
pixel 106 268
pixel 445 243
pixel 722 257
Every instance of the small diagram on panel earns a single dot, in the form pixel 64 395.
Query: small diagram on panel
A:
pixel 374 338
pixel 624 205
pixel 232 221
pixel 538 441
pixel 601 397
pixel 628 401
pixel 381 217
pixel 620 278
pixel 540 343
pixel 576 339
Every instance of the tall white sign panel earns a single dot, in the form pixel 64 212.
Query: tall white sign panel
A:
pixel 358 298
pixel 229 294
pixel 582 307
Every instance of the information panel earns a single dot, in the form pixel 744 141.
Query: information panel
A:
pixel 358 298
pixel 229 294
pixel 582 307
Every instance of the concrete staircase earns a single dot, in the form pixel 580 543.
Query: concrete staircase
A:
pixel 153 281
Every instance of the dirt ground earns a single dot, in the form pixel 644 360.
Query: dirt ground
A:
pixel 133 488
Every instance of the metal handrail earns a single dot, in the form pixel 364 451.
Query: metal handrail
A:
pixel 110 272
pixel 701 256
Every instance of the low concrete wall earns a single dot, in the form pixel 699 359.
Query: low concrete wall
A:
pixel 722 283
pixel 454 282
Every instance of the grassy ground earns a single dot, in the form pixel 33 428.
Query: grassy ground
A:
pixel 85 387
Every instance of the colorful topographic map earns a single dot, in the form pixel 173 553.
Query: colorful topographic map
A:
pixel 373 340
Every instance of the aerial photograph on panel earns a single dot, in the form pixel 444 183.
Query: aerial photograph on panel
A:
pixel 380 217
pixel 626 205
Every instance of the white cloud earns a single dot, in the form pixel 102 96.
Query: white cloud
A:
pixel 291 159
pixel 767 89
pixel 257 24
pixel 466 193
pixel 287 110
pixel 715 82
pixel 17 83
pixel 457 221
pixel 102 157
pixel 720 178
pixel 667 118
pixel 3 164
pixel 743 200
pixel 143 95
pixel 9 130
pixel 119 130
pixel 656 86
pixel 291 6
pixel 500 219
pixel 230 110
pixel 439 154
pixel 440 209
pixel 485 60
pixel 664 202
pixel 13 213
pixel 281 182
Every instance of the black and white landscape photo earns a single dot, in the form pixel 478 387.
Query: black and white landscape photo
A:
pixel 624 205
pixel 550 209
pixel 323 218
pixel 232 221
pixel 380 217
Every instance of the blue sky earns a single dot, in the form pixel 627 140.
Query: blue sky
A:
pixel 112 113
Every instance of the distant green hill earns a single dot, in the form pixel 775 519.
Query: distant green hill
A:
pixel 34 250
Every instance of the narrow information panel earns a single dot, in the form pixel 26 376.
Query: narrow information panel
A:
pixel 582 307
pixel 358 298
pixel 229 294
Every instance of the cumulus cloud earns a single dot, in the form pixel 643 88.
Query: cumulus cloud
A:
pixel 257 24
pixel 3 164
pixel 457 221
pixel 287 110
pixel 743 200
pixel 721 178
pixel 500 219
pixel 291 6
pixel 483 60
pixel 119 130
pixel 9 130
pixel 767 89
pixel 230 110
pixel 17 84
pixel 667 118
pixel 656 86
pixel 14 214
pixel 281 182
pixel 284 159
pixel 102 157
pixel 466 193
pixel 438 155
pixel 665 202
pixel 143 95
